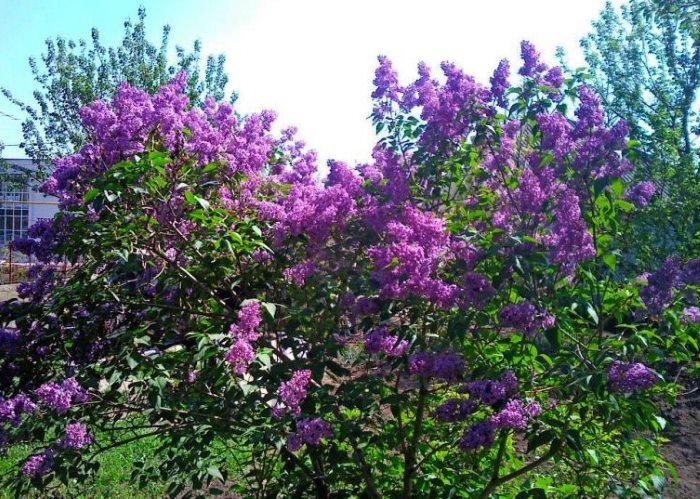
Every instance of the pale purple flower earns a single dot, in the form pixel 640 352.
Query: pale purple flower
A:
pixel 691 315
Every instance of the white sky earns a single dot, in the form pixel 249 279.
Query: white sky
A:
pixel 312 61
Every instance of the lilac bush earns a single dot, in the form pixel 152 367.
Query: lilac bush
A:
pixel 448 318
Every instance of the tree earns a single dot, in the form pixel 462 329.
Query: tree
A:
pixel 645 62
pixel 448 319
pixel 72 74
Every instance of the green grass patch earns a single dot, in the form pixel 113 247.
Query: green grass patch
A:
pixel 113 480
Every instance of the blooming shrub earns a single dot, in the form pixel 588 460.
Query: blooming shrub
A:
pixel 448 319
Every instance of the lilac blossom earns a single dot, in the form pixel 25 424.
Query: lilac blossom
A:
pixel 658 293
pixel 499 82
pixel 491 392
pixel 39 464
pixel 630 376
pixel 61 396
pixel 291 394
pixel 447 366
pixel 310 432
pixel 640 194
pixel 480 434
pixel 691 315
pixel 76 436
pixel 454 410
pixel 380 341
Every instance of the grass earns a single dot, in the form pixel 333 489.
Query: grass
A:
pixel 112 480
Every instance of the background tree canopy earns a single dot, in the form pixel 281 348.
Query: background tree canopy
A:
pixel 645 62
pixel 72 74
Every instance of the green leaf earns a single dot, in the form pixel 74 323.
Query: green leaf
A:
pixel 214 471
pixel 270 308
pixel 592 313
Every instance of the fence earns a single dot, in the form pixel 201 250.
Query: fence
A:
pixel 14 266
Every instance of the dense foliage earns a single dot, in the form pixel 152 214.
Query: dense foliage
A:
pixel 645 61
pixel 72 74
pixel 446 320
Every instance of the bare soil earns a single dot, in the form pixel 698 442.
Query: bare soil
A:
pixel 683 451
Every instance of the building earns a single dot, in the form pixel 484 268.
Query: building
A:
pixel 20 203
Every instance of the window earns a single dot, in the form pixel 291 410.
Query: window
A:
pixel 14 209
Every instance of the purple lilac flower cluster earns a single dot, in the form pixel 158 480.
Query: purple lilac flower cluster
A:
pixel 447 366
pixel 630 376
pixel 10 340
pixel 242 353
pixel 480 434
pixel 76 436
pixel 380 341
pixel 691 273
pixel 515 414
pixel 691 315
pixel 310 432
pixel 511 413
pixel 640 194
pixel 454 410
pixel 60 396
pixel 291 394
pixel 499 82
pixel 491 392
pixel 524 316
pixel 11 410
pixel 659 291
pixel 39 464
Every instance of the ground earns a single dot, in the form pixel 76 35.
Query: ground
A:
pixel 684 449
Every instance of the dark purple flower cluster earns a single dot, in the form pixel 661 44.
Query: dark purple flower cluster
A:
pixel 524 316
pixel 40 241
pixel 299 273
pixel 76 437
pixel 516 415
pixel 477 289
pixel 380 341
pixel 641 193
pixel 480 434
pixel 569 239
pixel 491 392
pixel 41 279
pixel 691 273
pixel 658 293
pixel 291 394
pixel 10 340
pixel 447 366
pixel 630 376
pixel 532 66
pixel 454 410
pixel 60 396
pixel 39 464
pixel 11 410
pixel 310 432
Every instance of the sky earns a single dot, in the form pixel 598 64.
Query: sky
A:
pixel 312 61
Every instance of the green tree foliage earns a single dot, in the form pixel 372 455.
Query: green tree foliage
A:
pixel 645 61
pixel 72 74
